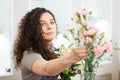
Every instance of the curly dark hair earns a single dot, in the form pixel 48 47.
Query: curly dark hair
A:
pixel 30 37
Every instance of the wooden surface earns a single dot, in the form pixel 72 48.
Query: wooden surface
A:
pixel 104 77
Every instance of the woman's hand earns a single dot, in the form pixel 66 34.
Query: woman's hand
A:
pixel 77 54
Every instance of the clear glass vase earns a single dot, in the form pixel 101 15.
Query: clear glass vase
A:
pixel 88 76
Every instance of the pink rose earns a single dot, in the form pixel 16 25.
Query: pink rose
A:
pixel 91 32
pixel 108 46
pixel 88 40
pixel 98 35
pixel 92 27
pixel 84 12
pixel 97 49
pixel 81 36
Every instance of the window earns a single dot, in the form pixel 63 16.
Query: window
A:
pixel 6 63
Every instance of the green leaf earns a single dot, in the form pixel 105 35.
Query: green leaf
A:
pixel 69 72
pixel 85 17
pixel 66 37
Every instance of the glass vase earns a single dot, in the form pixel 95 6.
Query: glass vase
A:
pixel 88 76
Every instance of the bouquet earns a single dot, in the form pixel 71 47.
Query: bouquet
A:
pixel 84 33
pixel 69 71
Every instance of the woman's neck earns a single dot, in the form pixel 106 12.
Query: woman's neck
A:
pixel 49 44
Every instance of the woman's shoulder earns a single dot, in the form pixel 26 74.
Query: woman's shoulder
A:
pixel 28 58
pixel 28 53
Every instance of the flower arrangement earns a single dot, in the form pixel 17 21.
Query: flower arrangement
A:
pixel 71 70
pixel 86 34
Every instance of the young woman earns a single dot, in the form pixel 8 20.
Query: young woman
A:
pixel 33 50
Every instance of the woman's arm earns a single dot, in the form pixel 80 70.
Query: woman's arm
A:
pixel 55 66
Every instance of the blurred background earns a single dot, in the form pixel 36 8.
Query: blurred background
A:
pixel 106 15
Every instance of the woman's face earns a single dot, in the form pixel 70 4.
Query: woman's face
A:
pixel 49 28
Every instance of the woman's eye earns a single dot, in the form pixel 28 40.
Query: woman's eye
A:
pixel 43 24
pixel 52 22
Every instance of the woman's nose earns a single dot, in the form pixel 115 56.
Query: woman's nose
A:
pixel 49 25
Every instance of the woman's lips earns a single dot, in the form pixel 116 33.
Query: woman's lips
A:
pixel 50 33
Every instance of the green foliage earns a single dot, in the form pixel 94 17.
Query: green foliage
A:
pixel 69 71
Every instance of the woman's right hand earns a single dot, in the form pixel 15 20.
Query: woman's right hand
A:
pixel 77 54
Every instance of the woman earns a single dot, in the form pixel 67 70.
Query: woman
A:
pixel 33 50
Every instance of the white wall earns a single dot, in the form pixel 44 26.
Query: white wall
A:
pixel 20 7
pixel 116 36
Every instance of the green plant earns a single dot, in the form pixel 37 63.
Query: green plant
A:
pixel 69 71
